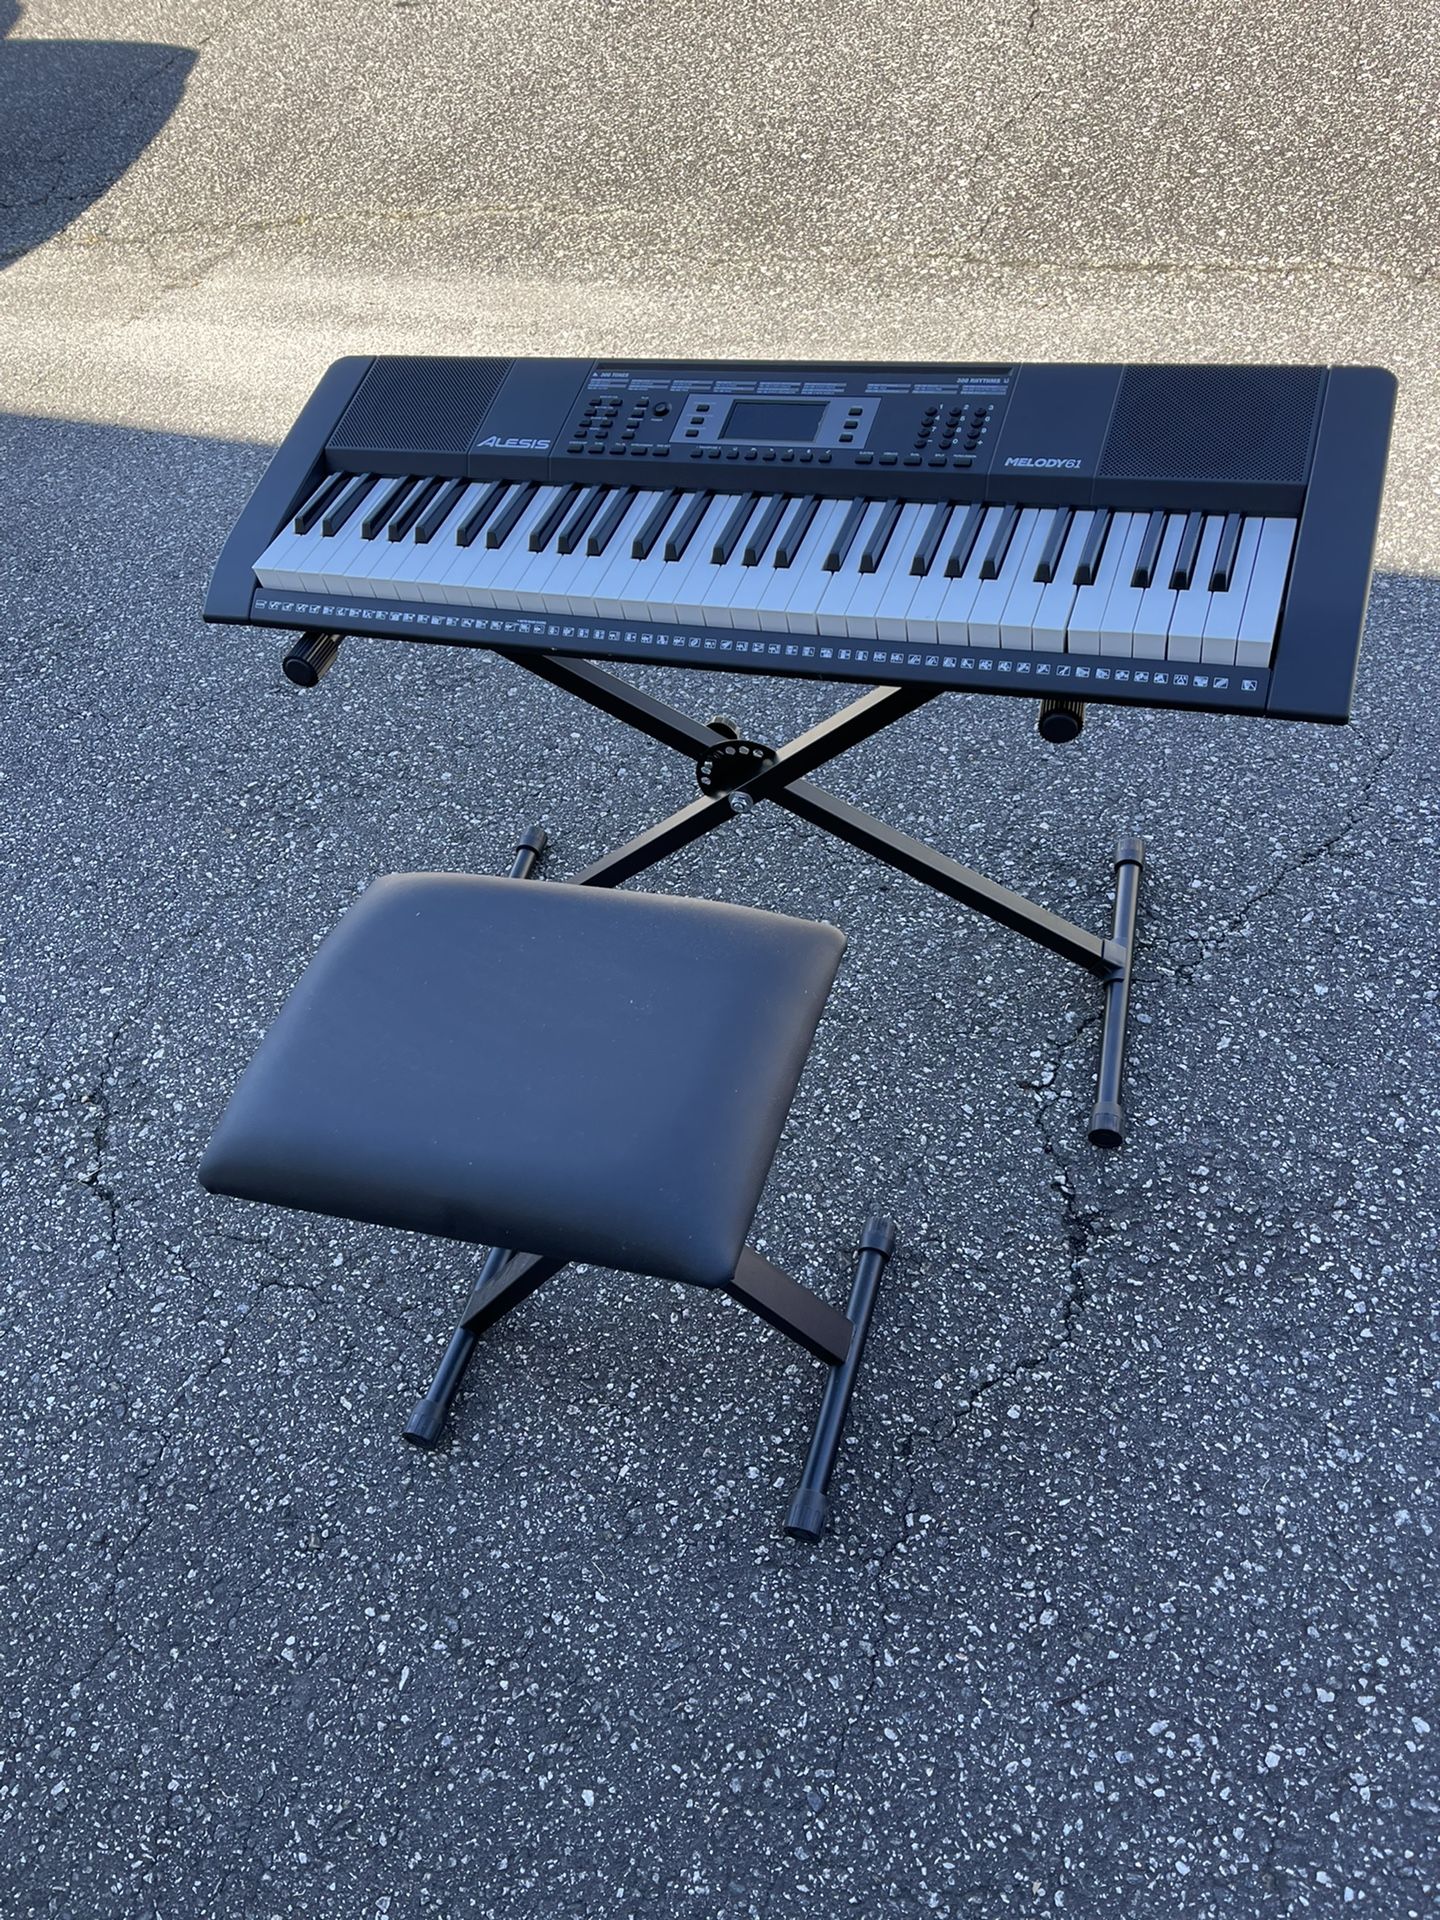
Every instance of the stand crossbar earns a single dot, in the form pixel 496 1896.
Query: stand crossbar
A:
pixel 780 775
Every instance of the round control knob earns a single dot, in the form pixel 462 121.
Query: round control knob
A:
pixel 660 408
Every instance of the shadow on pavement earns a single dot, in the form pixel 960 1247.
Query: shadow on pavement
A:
pixel 74 116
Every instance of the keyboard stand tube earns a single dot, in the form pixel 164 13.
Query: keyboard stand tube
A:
pixel 1107 1122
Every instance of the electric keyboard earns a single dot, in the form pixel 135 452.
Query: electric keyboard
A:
pixel 1177 536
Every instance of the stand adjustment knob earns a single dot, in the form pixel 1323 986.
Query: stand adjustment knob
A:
pixel 1061 721
pixel 311 657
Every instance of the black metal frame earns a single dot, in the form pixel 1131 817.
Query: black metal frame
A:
pixel 509 1277
pixel 834 1338
pixel 780 776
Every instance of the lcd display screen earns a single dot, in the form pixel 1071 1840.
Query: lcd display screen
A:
pixel 756 420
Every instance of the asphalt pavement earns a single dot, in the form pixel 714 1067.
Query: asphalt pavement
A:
pixel 1129 1605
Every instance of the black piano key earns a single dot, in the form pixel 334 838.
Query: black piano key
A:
pixel 1225 553
pixel 795 530
pixel 345 506
pixel 930 538
pixel 763 530
pixel 503 525
pixel 480 512
pixel 959 555
pixel 319 501
pixel 1185 558
pixel 546 527
pixel 439 511
pixel 1088 564
pixel 845 537
pixel 573 530
pixel 733 528
pixel 384 509
pixel 647 536
pixel 874 549
pixel 1054 544
pixel 1144 574
pixel 683 530
pixel 411 511
pixel 1004 533
pixel 603 532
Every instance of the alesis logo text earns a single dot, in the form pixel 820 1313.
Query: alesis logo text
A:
pixel 1027 460
pixel 533 446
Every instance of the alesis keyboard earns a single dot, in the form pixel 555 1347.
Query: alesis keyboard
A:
pixel 1177 536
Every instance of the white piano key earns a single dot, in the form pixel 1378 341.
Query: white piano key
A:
pixel 938 610
pixel 695 588
pixel 731 588
pixel 842 585
pixel 568 585
pixel 516 557
pixel 876 590
pixel 604 597
pixel 1156 605
pixel 1051 614
pixel 1222 622
pixel 343 559
pixel 1192 603
pixel 774 593
pixel 651 591
pixel 1017 617
pixel 482 582
pixel 747 588
pixel 530 587
pixel 449 560
pixel 427 562
pixel 1087 616
pixel 1117 625
pixel 989 603
pixel 1263 598
pixel 278 565
pixel 386 558
pixel 807 577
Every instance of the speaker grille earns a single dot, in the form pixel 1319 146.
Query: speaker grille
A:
pixel 1213 423
pixel 424 407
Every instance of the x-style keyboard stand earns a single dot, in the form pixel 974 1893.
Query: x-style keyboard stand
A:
pixel 733 774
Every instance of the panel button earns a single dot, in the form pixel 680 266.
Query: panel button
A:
pixel 861 459
pixel 912 460
pixel 889 459
pixel 659 453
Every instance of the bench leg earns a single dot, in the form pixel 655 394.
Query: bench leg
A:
pixel 809 1510
pixel 505 1280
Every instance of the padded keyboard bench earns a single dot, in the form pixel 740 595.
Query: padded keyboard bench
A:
pixel 560 1073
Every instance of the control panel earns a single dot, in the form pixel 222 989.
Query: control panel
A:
pixel 793 417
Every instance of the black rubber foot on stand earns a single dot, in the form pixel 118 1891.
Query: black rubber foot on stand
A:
pixel 425 1426
pixel 1107 1127
pixel 808 1516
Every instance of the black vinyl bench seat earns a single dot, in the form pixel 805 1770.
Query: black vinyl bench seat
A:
pixel 562 1074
